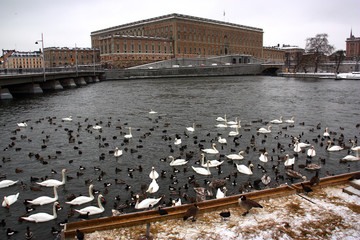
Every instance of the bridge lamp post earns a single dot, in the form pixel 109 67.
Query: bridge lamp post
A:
pixel 43 57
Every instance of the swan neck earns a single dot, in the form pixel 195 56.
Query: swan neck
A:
pixel 99 203
pixel 63 177
pixel 90 192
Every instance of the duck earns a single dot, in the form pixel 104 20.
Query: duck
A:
pixel 97 127
pixel 201 170
pixel 23 124
pixel 212 150
pixel 43 217
pixel 313 167
pixel 153 187
pixel 45 199
pixel 212 163
pixel 128 136
pixel 234 133
pixel 247 204
pixel 83 199
pixel 67 119
pixel 222 140
pixel 92 210
pixel 353 147
pixel 266 179
pixel 244 169
pixel 326 133
pixel 53 182
pixel 153 174
pixel 236 156
pixel 291 120
pixel 177 162
pixel 176 203
pixel 147 203
pixel 293 174
pixel 264 130
pixel 277 121
pixel 220 119
pixel 8 200
pixel 289 161
pixel 118 152
pixel 264 157
pixel 334 148
pixel 7 183
pixel 191 212
pixel 177 141
pixel 191 129
pixel 311 152
pixel 221 194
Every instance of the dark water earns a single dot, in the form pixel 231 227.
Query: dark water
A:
pixel 117 105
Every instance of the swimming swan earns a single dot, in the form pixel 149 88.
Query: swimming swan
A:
pixel 177 162
pixel 45 199
pixel 201 170
pixel 53 182
pixel 92 210
pixel 42 217
pixel 8 200
pixel 83 199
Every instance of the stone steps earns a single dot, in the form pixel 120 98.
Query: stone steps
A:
pixel 354 188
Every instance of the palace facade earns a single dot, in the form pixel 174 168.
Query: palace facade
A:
pixel 16 59
pixel 174 36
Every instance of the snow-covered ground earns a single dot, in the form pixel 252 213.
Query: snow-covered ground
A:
pixel 331 214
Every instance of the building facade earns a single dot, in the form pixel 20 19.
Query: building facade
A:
pixel 273 54
pixel 353 46
pixel 174 36
pixel 21 60
pixel 66 57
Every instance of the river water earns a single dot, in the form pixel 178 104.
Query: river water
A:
pixel 118 105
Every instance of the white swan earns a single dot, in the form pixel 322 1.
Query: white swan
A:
pixel 97 127
pixel 53 182
pixel 222 140
pixel 277 121
pixel 244 169
pixel 311 152
pixel 83 199
pixel 153 187
pixel 92 210
pixel 212 150
pixel 289 161
pixel 353 147
pixel 212 163
pixel 326 133
pixel 7 183
pixel 221 194
pixel 220 119
pixel 128 136
pixel 236 156
pixel 152 112
pixel 292 120
pixel 191 129
pixel 233 122
pixel 23 124
pixel 264 157
pixel 221 125
pixel 8 200
pixel 297 147
pixel 238 125
pixel 302 144
pixel 118 152
pixel 353 158
pixel 146 203
pixel 68 119
pixel 177 141
pixel 264 130
pixel 42 217
pixel 333 148
pixel 153 174
pixel 234 133
pixel 45 199
pixel 177 162
pixel 201 170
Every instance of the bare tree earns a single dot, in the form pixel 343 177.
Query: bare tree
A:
pixel 338 58
pixel 318 46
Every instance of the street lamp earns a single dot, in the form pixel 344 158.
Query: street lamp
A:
pixel 42 49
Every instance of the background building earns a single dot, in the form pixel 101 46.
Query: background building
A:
pixel 24 60
pixel 174 36
pixel 353 47
pixel 273 54
pixel 63 57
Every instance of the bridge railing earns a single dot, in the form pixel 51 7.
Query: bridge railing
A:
pixel 18 71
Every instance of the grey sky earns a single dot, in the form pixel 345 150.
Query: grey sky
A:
pixel 65 23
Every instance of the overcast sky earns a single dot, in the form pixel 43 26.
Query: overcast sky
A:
pixel 65 23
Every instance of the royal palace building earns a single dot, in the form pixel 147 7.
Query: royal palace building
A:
pixel 174 36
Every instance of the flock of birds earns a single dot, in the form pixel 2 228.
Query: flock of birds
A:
pixel 226 147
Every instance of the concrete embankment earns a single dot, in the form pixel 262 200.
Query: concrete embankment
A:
pixel 139 218
pixel 206 71
pixel 308 75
